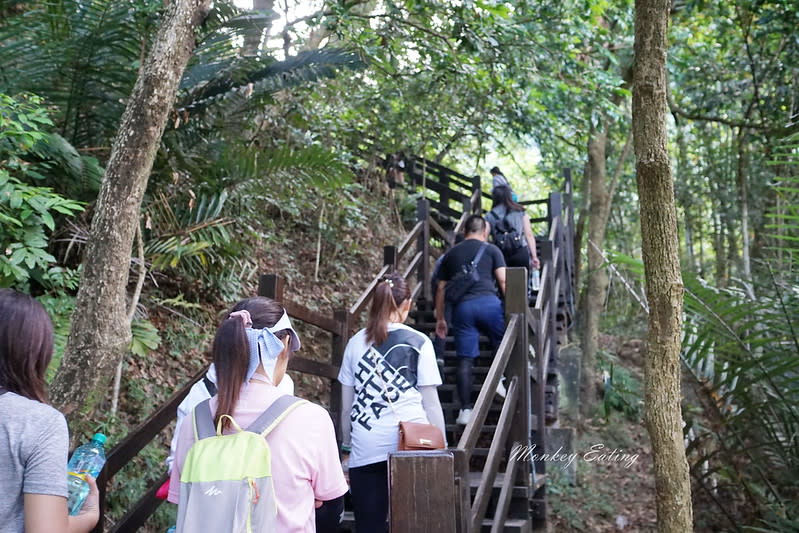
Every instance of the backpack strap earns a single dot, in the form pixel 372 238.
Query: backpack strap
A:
pixel 479 254
pixel 203 420
pixel 275 414
pixel 209 385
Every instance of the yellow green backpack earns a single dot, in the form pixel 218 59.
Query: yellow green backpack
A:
pixel 226 481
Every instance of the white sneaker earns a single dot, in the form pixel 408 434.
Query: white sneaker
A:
pixel 464 416
pixel 501 391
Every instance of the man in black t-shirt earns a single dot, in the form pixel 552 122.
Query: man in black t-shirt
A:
pixel 479 310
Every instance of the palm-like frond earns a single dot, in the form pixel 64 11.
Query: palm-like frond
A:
pixel 784 217
pixel 206 82
pixel 66 170
pixel 81 56
pixel 747 353
pixel 180 234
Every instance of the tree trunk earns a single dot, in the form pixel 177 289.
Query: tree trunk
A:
pixel 685 194
pixel 661 256
pixel 100 332
pixel 579 231
pixel 259 29
pixel 719 237
pixel 597 276
pixel 743 192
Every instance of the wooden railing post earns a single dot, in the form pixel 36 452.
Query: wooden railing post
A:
pixel 271 286
pixel 338 344
pixel 444 195
pixel 516 303
pixel 568 238
pixel 390 256
pixel 463 496
pixel 423 245
pixel 538 396
pixel 477 209
pixel 422 495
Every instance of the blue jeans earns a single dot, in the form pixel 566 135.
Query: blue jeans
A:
pixel 483 314
pixel 470 318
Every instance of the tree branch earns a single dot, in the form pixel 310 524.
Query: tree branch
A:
pixel 712 118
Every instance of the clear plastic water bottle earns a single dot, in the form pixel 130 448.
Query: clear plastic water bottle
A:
pixel 87 460
pixel 535 279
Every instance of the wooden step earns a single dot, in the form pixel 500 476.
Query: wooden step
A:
pixel 452 370
pixel 451 387
pixel 487 428
pixel 511 525
pixel 518 491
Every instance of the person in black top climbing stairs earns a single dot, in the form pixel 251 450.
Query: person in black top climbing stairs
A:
pixel 466 280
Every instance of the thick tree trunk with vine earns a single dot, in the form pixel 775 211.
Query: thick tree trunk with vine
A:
pixel 100 331
pixel 597 276
pixel 664 285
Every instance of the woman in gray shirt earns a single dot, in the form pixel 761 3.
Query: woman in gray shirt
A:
pixel 33 435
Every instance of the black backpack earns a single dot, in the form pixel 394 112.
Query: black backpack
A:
pixel 466 278
pixel 505 236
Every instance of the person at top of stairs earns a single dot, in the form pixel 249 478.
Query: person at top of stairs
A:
pixel 470 270
pixel 498 179
pixel 511 231
pixel 389 375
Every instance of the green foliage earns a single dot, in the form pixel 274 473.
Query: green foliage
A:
pixel 145 337
pixel 622 391
pixel 26 212
pixel 60 307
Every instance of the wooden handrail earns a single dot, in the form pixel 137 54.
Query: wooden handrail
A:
pixel 416 290
pixel 495 451
pixel 315 368
pixel 435 226
pixel 413 265
pixel 533 202
pixel 366 296
pixel 409 239
pixel 487 391
pixel 436 166
pixel 315 318
pixel 503 502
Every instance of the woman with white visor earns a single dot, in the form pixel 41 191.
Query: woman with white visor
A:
pixel 251 351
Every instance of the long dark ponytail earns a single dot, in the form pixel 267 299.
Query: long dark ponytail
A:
pixel 502 195
pixel 390 293
pixel 231 350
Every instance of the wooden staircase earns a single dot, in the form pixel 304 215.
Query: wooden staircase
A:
pixel 519 496
pixel 477 484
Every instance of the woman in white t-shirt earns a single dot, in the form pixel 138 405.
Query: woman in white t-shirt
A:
pixel 389 374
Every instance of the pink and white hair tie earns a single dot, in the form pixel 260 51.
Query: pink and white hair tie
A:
pixel 245 317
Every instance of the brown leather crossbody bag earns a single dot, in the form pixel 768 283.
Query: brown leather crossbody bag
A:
pixel 416 436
